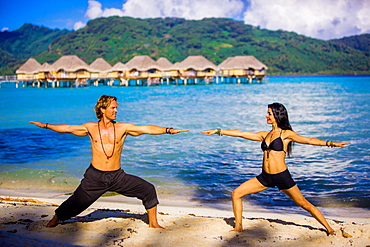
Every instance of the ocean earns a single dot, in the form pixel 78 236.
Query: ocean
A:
pixel 192 165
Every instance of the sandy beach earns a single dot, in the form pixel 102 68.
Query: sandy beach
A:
pixel 121 221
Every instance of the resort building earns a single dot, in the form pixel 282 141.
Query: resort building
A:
pixel 120 72
pixel 29 70
pixel 194 68
pixel 239 67
pixel 143 68
pixel 70 70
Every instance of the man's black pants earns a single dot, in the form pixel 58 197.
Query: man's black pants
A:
pixel 95 183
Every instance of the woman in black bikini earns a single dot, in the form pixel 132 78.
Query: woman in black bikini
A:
pixel 276 144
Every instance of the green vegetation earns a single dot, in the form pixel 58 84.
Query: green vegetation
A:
pixel 29 40
pixel 118 39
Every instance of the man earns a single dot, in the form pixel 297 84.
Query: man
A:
pixel 104 173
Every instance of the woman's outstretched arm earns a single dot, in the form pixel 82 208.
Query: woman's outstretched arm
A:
pixel 313 141
pixel 238 133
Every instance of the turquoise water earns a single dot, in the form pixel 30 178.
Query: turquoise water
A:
pixel 192 165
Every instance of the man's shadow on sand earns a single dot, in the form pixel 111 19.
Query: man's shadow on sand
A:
pixel 100 214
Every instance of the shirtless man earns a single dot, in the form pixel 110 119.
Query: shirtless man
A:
pixel 104 173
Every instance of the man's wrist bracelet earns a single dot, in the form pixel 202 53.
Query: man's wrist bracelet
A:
pixel 330 144
pixel 46 126
pixel 168 131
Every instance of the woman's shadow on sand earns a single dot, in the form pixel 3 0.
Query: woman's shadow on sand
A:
pixel 230 221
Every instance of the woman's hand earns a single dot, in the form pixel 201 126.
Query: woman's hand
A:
pixel 210 132
pixel 340 144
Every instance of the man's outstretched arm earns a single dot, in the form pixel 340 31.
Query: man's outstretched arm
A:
pixel 78 130
pixel 136 130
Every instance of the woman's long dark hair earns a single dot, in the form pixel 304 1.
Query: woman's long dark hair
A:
pixel 282 120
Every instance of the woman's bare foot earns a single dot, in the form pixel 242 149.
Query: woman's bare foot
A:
pixel 330 232
pixel 156 225
pixel 53 222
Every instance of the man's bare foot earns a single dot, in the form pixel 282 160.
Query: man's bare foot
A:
pixel 237 230
pixel 53 222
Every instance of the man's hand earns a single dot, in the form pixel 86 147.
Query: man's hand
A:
pixel 176 131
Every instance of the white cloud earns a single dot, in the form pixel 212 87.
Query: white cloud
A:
pixel 323 19
pixel 4 29
pixel 188 9
pixel 79 25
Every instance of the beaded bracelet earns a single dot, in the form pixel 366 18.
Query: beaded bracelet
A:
pixel 168 131
pixel 331 144
pixel 219 132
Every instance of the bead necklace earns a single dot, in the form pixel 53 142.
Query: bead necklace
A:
pixel 101 141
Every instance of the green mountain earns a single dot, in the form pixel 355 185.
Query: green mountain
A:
pixel 358 42
pixel 23 43
pixel 118 39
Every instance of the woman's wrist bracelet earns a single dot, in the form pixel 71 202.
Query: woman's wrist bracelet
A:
pixel 168 131
pixel 219 132
pixel 46 126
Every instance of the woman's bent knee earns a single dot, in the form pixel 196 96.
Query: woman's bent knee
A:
pixel 235 194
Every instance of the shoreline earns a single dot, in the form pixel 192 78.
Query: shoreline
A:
pixel 117 221
pixel 209 209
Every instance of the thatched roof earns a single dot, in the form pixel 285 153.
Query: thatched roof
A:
pixel 70 63
pixel 142 63
pixel 174 66
pixel 163 63
pixel 46 67
pixel 242 62
pixel 29 67
pixel 100 65
pixel 119 67
pixel 196 63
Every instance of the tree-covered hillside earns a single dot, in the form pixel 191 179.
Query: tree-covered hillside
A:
pixel 27 41
pixel 118 39
pixel 358 42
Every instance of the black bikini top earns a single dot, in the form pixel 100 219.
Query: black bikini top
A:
pixel 276 145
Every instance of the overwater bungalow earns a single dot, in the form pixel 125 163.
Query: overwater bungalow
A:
pixel 29 70
pixel 194 68
pixel 47 72
pixel 143 69
pixel 70 70
pixel 165 67
pixel 100 71
pixel 120 72
pixel 239 67
pixel 47 75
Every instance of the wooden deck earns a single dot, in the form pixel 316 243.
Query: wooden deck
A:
pixel 12 81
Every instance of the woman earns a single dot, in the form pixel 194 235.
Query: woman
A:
pixel 276 144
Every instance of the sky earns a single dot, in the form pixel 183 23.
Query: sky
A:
pixel 321 19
